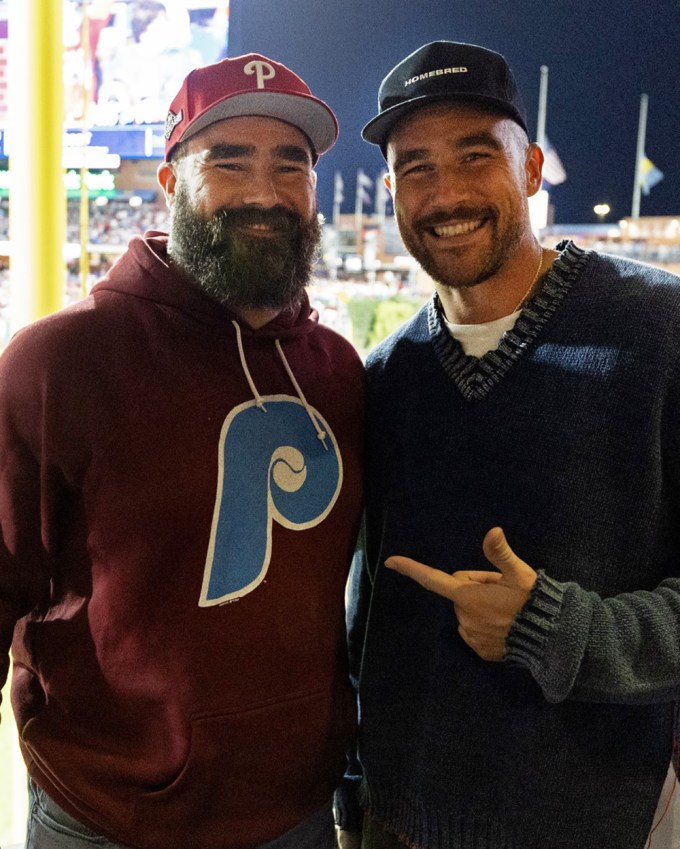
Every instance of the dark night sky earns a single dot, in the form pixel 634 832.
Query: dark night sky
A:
pixel 601 54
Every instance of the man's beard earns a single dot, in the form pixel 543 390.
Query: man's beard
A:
pixel 446 268
pixel 240 270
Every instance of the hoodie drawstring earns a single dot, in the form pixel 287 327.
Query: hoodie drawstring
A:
pixel 322 435
pixel 244 365
pixel 301 395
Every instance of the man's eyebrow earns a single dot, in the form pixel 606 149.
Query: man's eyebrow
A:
pixel 407 156
pixel 230 151
pixel 293 153
pixel 475 140
pixel 287 152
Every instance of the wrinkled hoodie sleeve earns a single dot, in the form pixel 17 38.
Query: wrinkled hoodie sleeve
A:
pixel 28 501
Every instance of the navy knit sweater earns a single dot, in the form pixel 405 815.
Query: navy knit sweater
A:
pixel 567 436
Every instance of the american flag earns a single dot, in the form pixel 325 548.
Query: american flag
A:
pixel 553 170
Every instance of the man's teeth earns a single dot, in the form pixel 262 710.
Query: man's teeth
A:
pixel 457 229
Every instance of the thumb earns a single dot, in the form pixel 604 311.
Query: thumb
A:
pixel 498 552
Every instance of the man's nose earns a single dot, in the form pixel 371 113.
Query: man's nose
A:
pixel 260 189
pixel 450 187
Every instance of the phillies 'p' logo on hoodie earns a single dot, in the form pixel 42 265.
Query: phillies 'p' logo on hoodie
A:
pixel 273 466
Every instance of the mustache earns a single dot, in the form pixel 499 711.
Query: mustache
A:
pixel 277 217
pixel 459 213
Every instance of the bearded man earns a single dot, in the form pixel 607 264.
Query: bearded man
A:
pixel 180 492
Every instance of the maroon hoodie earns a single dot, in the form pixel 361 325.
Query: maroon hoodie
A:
pixel 179 501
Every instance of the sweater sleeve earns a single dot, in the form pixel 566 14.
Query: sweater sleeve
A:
pixel 624 648
pixel 577 645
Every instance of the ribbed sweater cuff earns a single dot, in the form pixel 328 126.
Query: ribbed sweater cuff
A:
pixel 532 626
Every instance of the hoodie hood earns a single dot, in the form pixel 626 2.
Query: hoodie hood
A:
pixel 144 271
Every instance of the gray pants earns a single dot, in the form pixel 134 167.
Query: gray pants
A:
pixel 50 827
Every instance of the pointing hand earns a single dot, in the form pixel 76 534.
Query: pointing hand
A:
pixel 486 603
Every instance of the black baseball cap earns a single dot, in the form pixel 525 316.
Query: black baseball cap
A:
pixel 445 70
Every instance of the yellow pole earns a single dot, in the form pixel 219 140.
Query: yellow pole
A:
pixel 37 199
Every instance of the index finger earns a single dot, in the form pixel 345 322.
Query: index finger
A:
pixel 431 579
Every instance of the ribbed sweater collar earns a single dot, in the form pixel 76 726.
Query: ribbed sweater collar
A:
pixel 475 377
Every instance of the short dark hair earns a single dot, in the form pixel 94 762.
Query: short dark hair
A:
pixel 179 152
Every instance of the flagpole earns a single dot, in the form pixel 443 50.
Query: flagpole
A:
pixel 542 106
pixel 359 206
pixel 642 130
pixel 337 198
pixel 380 197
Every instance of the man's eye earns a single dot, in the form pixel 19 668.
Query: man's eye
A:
pixel 414 170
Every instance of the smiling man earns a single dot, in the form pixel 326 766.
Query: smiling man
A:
pixel 512 702
pixel 244 218
pixel 180 490
pixel 486 169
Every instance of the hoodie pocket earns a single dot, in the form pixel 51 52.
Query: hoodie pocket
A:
pixel 257 772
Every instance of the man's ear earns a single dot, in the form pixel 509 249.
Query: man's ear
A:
pixel 534 169
pixel 167 179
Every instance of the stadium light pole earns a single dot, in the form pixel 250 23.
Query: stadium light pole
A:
pixel 37 196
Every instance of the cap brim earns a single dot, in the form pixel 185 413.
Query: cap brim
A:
pixel 378 129
pixel 308 114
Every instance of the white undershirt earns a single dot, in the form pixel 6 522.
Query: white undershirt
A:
pixel 478 339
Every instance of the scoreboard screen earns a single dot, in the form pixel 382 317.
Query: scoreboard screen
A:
pixel 123 66
pixel 126 63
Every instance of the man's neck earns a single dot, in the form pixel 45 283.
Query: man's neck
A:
pixel 494 298
pixel 256 318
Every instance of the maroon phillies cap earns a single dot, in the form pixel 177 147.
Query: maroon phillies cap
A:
pixel 248 85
